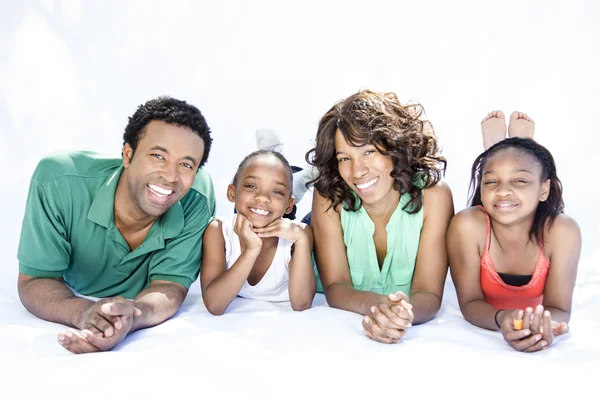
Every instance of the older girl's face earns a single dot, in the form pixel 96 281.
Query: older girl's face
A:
pixel 366 171
pixel 512 186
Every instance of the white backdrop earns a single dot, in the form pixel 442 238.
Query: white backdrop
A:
pixel 71 72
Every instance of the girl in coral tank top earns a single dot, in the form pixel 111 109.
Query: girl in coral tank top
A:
pixel 514 253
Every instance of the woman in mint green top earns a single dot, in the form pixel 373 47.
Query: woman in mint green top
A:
pixel 396 272
pixel 380 213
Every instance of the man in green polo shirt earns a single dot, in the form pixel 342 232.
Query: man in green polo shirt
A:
pixel 118 229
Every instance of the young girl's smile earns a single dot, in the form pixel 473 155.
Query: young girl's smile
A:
pixel 512 186
pixel 263 192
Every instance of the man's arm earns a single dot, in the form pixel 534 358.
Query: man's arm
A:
pixel 52 300
pixel 158 302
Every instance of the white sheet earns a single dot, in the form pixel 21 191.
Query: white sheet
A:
pixel 267 351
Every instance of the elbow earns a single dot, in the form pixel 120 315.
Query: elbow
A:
pixel 301 305
pixel 214 309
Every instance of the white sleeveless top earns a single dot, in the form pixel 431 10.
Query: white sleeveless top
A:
pixel 274 285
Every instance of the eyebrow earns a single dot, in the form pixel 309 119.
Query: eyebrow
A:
pixel 359 147
pixel 514 170
pixel 192 159
pixel 257 178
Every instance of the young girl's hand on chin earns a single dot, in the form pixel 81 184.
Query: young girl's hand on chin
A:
pixel 284 228
pixel 249 240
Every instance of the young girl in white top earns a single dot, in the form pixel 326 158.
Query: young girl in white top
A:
pixel 256 253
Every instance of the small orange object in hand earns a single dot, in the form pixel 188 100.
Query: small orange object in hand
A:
pixel 518 324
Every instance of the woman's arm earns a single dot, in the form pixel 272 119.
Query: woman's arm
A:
pixel 564 243
pixel 332 263
pixel 432 260
pixel 303 283
pixel 219 284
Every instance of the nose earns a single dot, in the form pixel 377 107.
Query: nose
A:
pixel 170 172
pixel 504 190
pixel 262 197
pixel 359 168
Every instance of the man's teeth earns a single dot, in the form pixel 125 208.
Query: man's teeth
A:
pixel 160 191
pixel 259 211
pixel 365 185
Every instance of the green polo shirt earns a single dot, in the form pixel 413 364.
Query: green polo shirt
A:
pixel 69 230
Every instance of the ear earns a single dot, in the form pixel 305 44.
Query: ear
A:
pixel 290 205
pixel 127 154
pixel 231 193
pixel 545 190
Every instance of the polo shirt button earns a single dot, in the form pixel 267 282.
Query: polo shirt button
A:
pixel 378 283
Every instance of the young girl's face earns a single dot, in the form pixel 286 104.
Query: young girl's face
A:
pixel 365 170
pixel 263 192
pixel 512 186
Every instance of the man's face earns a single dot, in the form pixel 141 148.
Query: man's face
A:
pixel 163 168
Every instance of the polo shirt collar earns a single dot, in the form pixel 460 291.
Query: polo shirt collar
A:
pixel 102 209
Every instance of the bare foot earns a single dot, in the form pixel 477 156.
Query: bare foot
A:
pixel 520 125
pixel 493 128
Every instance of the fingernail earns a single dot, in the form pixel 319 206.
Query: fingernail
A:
pixel 409 325
pixel 61 336
pixel 527 332
pixel 373 309
pixel 544 343
pixel 365 333
pixel 537 337
pixel 84 334
pixel 367 320
pixel 69 334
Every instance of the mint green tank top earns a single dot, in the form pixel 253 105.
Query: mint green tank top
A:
pixel 403 234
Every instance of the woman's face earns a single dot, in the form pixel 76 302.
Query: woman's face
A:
pixel 365 170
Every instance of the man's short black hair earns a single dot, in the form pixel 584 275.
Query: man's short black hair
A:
pixel 170 111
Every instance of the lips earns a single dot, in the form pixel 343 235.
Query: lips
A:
pixel 160 194
pixel 366 185
pixel 261 212
pixel 505 205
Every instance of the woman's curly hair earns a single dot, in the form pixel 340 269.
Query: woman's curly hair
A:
pixel 396 130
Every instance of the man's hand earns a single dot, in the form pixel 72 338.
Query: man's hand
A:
pixel 387 322
pixel 86 341
pixel 106 315
pixel 104 325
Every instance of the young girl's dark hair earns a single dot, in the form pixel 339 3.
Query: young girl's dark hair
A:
pixel 396 130
pixel 257 153
pixel 547 210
